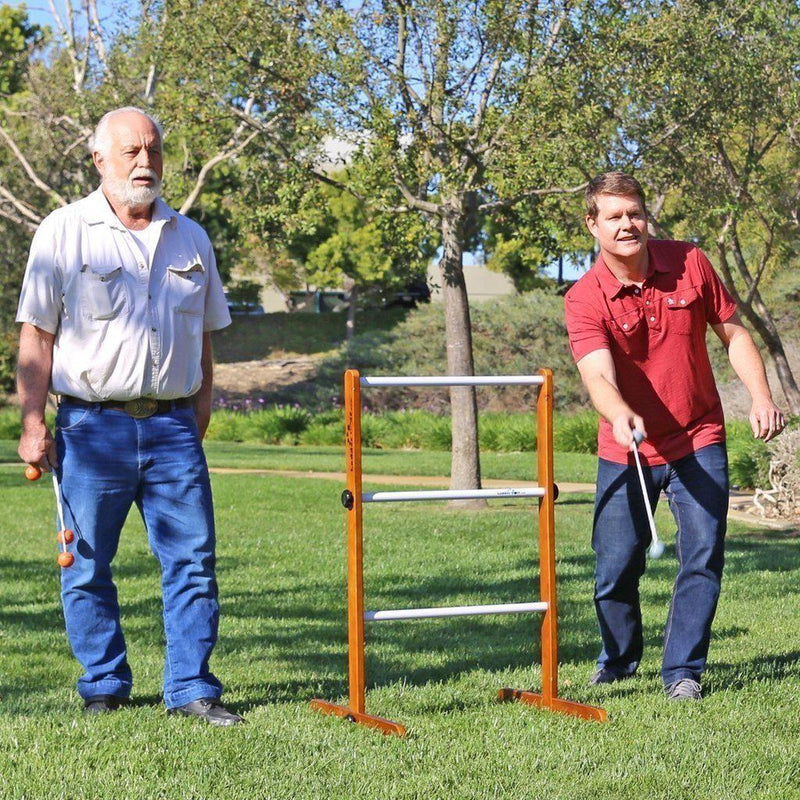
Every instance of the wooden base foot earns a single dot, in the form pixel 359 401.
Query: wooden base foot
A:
pixel 385 726
pixel 554 704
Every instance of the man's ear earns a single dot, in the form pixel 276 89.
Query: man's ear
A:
pixel 591 224
pixel 99 161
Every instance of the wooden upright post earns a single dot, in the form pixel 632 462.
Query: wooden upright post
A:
pixel 353 502
pixel 549 698
pixel 547 539
pixel 355 541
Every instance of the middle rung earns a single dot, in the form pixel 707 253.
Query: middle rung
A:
pixel 453 611
pixel 450 494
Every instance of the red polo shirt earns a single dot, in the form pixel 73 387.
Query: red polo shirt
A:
pixel 657 338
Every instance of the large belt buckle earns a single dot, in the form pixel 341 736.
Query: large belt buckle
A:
pixel 141 407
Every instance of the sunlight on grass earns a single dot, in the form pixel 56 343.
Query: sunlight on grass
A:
pixel 283 641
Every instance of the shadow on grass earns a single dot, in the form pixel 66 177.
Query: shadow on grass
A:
pixel 295 629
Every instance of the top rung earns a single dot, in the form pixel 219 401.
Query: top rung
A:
pixel 456 380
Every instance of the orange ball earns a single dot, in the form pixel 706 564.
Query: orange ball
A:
pixel 66 536
pixel 33 473
pixel 65 560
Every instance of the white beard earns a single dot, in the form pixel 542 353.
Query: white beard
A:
pixel 126 193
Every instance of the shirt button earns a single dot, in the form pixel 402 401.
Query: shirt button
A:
pixel 153 329
pixel 647 302
pixel 624 326
pixel 683 302
pixel 636 291
pixel 670 301
pixel 652 319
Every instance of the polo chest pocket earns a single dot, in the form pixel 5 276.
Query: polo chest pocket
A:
pixel 186 287
pixel 679 309
pixel 104 294
pixel 630 333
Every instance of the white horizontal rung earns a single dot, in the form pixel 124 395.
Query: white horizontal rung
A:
pixel 453 611
pixel 456 380
pixel 450 494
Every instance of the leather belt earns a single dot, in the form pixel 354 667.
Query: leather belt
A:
pixel 139 408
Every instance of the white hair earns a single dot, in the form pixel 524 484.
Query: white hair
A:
pixel 101 140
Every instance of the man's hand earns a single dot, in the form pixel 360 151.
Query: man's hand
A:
pixel 37 447
pixel 766 419
pixel 623 427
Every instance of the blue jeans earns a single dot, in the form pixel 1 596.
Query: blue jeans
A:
pixel 108 461
pixel 697 490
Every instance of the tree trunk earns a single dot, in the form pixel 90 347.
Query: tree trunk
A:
pixel 758 315
pixel 465 468
pixel 352 294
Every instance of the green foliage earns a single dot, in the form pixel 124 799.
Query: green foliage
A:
pixel 748 458
pixel 225 426
pixel 8 361
pixel 507 433
pixel 511 335
pixel 576 433
pixel 17 39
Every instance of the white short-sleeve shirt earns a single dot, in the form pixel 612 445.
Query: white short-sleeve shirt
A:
pixel 124 328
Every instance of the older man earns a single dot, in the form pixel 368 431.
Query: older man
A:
pixel 118 302
pixel 637 328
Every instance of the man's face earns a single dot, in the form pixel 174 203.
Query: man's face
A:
pixel 131 165
pixel 620 226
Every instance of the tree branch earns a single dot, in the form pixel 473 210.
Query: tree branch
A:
pixel 202 176
pixel 31 218
pixel 508 202
pixel 35 179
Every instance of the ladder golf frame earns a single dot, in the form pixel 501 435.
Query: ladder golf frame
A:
pixel 353 499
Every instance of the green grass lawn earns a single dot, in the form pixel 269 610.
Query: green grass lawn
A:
pixel 283 642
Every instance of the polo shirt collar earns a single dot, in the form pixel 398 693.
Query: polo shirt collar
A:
pixel 99 211
pixel 609 282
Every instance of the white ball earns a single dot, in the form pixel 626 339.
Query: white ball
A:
pixel 656 549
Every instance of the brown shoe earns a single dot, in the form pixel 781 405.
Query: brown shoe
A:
pixel 210 709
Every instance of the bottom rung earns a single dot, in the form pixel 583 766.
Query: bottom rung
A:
pixel 454 611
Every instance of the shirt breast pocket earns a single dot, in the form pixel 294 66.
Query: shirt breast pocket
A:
pixel 680 308
pixel 103 291
pixel 186 286
pixel 629 332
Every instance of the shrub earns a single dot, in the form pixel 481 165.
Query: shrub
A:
pixel 281 424
pixel 512 335
pixel 10 423
pixel 225 426
pixel 748 458
pixel 8 360
pixel 323 433
pixel 507 432
pixel 576 433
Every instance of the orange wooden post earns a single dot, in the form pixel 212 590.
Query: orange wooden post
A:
pixel 355 541
pixel 352 501
pixel 547 539
pixel 549 698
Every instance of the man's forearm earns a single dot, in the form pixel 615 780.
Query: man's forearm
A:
pixel 606 398
pixel 202 399
pixel 749 366
pixel 33 372
pixel 33 384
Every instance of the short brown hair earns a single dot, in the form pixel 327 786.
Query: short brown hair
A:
pixel 616 183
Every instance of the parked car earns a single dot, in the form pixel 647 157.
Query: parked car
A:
pixel 245 308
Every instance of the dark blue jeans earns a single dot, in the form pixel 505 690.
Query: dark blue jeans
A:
pixel 697 490
pixel 108 462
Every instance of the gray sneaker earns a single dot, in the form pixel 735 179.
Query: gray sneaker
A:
pixel 684 689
